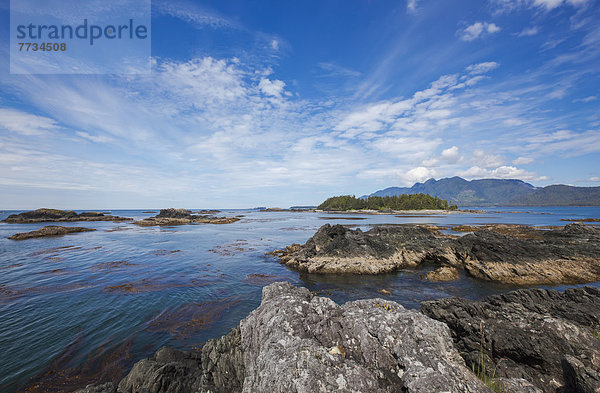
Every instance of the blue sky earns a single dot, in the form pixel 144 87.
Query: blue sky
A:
pixel 280 103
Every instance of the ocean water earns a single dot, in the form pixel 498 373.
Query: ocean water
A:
pixel 85 307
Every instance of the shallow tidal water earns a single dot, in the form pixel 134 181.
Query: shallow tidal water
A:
pixel 83 307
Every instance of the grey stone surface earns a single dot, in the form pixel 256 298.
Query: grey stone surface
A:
pixel 543 336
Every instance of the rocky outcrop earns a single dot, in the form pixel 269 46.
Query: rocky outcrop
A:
pixel 50 230
pixel 543 336
pixel 55 215
pixel 444 273
pixel 337 249
pixel 297 342
pixel 169 217
pixel 520 255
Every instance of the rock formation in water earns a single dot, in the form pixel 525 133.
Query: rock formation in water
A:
pixel 50 230
pixel 529 341
pixel 297 342
pixel 550 338
pixel 168 217
pixel 520 255
pixel 55 215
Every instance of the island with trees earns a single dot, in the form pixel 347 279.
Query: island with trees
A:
pixel 396 202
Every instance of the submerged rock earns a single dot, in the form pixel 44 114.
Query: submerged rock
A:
pixel 522 255
pixel 543 336
pixel 444 273
pixel 55 215
pixel 50 230
pixel 169 217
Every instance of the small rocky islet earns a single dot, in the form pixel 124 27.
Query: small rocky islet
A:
pixel 166 217
pixel 49 230
pixel 518 255
pixel 55 215
pixel 170 217
pixel 526 341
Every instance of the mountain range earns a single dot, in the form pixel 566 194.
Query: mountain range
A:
pixel 499 192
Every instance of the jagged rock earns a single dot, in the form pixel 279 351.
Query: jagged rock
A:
pixel 444 273
pixel 567 255
pixel 297 342
pixel 50 230
pixel 580 377
pixel 543 336
pixel 169 217
pixel 520 255
pixel 55 215
pixel 337 249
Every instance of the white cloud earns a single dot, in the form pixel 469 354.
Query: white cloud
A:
pixel 482 68
pixel 275 44
pixel 94 138
pixel 25 123
pixel 594 179
pixel 566 143
pixel 482 159
pixel 502 172
pixel 523 161
pixel 191 13
pixel 513 122
pixel 586 99
pixel 271 87
pixel 418 174
pixel 529 31
pixel 504 6
pixel 451 154
pixel 551 4
pixel 411 5
pixel 477 30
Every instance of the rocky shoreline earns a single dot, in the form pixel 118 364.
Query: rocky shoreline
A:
pixel 507 254
pixel 169 217
pixel 532 340
pixel 55 215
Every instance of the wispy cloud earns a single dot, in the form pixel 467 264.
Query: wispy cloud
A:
pixel 529 31
pixel 25 123
pixel 332 70
pixel 504 6
pixel 477 30
pixel 192 13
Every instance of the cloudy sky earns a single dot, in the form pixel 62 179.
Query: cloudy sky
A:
pixel 277 103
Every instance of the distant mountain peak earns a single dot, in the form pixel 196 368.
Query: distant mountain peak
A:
pixel 507 192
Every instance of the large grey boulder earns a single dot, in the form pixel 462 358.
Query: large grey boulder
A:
pixel 297 342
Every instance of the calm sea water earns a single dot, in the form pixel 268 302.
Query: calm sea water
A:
pixel 94 303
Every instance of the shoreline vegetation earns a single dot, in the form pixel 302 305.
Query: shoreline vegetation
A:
pixel 391 203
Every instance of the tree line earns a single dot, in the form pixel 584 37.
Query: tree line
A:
pixel 398 202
